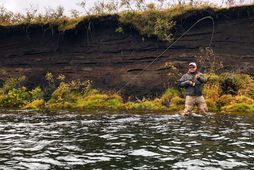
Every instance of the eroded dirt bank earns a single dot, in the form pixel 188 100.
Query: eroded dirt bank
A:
pixel 95 50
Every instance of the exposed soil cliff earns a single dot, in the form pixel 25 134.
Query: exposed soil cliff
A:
pixel 95 50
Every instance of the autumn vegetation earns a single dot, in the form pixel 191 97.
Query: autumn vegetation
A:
pixel 156 18
pixel 226 92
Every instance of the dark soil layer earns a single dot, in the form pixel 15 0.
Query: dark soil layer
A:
pixel 95 50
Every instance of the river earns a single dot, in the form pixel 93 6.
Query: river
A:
pixel 71 140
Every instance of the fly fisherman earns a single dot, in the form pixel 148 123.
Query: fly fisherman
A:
pixel 193 82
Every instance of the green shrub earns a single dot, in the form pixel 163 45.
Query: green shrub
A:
pixel 228 88
pixel 238 108
pixel 212 105
pixel 67 94
pixel 145 105
pixel 15 98
pixel 244 99
pixel 12 83
pixel 37 93
pixel 95 100
pixel 224 100
pixel 13 93
pixel 81 95
pixel 168 95
pixel 133 106
pixel 176 103
pixel 212 91
pixel 63 96
pixel 150 23
pixel 237 83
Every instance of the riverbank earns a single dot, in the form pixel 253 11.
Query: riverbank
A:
pixel 111 50
pixel 224 93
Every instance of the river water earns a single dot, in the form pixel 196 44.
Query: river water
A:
pixel 66 140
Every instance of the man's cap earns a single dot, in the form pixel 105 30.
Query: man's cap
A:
pixel 193 64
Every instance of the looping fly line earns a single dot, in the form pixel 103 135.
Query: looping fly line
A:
pixel 147 66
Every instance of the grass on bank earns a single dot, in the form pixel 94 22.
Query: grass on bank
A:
pixel 226 92
pixel 230 92
pixel 160 23
pixel 149 22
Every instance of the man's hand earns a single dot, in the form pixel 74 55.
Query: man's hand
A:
pixel 191 82
pixel 198 75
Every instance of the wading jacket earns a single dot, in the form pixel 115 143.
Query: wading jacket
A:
pixel 192 90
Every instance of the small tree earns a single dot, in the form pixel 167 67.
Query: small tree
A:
pixel 75 13
pixel 174 73
pixel 151 6
pixel 208 61
pixel 5 16
pixel 106 7
pixel 59 12
pixel 230 3
pixel 83 5
pixel 161 3
pixel 31 14
pixel 126 4
pixel 140 4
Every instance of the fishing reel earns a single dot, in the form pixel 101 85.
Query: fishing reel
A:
pixel 193 82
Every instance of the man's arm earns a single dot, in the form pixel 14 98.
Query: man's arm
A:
pixel 200 77
pixel 184 82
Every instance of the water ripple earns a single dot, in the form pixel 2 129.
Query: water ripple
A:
pixel 119 141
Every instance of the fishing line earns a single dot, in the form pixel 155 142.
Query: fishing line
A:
pixel 147 66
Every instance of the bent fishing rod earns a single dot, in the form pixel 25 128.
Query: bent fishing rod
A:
pixel 173 43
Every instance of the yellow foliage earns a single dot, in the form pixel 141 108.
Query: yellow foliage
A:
pixel 81 95
pixel 229 99
pixel 99 100
pixel 176 104
pixel 169 94
pixel 247 86
pixel 35 104
pixel 238 108
pixel 211 104
pixel 144 105
pixel 212 78
pixel 212 91
pixel 176 100
pixel 70 23
pixel 244 99
pixel 225 99
pixel 237 84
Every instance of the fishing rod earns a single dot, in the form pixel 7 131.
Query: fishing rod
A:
pixel 151 63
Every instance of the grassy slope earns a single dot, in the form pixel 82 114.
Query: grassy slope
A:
pixel 159 23
pixel 227 93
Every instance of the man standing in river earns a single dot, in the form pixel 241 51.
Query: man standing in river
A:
pixel 193 82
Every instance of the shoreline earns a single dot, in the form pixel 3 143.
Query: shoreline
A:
pixel 115 49
pixel 224 93
pixel 105 112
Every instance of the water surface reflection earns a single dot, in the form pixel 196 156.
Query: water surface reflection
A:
pixel 124 141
